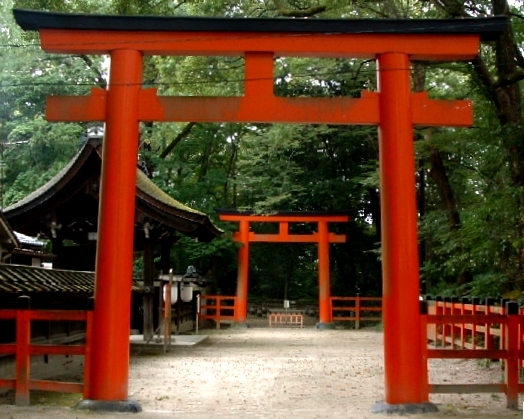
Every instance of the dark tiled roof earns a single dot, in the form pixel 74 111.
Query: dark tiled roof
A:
pixel 27 279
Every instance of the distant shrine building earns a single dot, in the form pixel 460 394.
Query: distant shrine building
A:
pixel 65 211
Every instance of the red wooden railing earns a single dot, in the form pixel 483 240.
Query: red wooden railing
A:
pixel 23 349
pixel 212 307
pixel 356 309
pixel 467 331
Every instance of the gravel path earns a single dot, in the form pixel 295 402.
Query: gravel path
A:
pixel 277 374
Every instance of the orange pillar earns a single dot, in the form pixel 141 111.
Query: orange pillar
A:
pixel 323 277
pixel 243 272
pixel 403 357
pixel 114 261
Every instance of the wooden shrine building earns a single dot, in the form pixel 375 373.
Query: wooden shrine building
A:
pixel 65 211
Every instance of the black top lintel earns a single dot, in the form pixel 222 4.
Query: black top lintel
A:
pixel 488 28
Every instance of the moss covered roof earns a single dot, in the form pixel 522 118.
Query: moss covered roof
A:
pixel 151 200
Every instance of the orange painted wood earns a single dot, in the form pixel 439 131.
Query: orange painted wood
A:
pixel 218 308
pixel 7 384
pixel 57 349
pixel 357 308
pixel 398 110
pixel 243 272
pixel 88 355
pixel 467 353
pixel 253 218
pixel 77 108
pixel 466 318
pixel 114 262
pixel 7 314
pixel 8 348
pixel 454 113
pixel 367 46
pixel 403 358
pixel 58 315
pixel 23 358
pixel 261 108
pixel 511 370
pixel 294 238
pixel 467 388
pixel 324 286
pixel 56 386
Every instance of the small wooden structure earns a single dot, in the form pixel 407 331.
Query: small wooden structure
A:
pixel 285 317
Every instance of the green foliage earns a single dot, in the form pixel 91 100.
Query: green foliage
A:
pixel 268 168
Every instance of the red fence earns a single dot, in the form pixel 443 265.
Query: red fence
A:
pixel 356 309
pixel 475 331
pixel 23 349
pixel 217 308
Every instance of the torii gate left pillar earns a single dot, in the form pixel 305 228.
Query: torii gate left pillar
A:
pixel 394 108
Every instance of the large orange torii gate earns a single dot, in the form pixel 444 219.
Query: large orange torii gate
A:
pixel 322 237
pixel 393 43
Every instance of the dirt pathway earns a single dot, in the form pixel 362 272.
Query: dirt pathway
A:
pixel 277 373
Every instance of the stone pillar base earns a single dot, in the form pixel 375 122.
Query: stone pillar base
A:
pixel 325 326
pixel 122 406
pixel 407 408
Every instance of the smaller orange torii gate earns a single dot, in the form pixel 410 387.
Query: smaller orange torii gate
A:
pixel 322 237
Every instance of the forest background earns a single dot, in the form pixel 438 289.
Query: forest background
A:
pixel 470 182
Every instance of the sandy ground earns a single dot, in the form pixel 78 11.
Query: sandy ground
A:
pixel 267 373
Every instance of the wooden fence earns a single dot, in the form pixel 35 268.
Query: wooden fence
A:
pixel 217 308
pixel 22 349
pixel 477 331
pixel 356 309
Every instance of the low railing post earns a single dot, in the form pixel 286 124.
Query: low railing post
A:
pixel 218 312
pixel 23 356
pixel 424 342
pixel 463 330
pixel 357 310
pixel 475 302
pixel 454 310
pixel 87 354
pixel 512 360
pixel 489 339
pixel 446 328
pixel 438 327
pixel 503 331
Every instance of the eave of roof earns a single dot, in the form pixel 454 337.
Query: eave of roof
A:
pixel 199 224
pixel 488 28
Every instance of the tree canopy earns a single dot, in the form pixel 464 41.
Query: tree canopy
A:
pixel 470 182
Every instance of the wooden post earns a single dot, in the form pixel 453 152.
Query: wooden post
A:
pixel 243 273
pixel 403 359
pixel 218 310
pixel 149 282
pixel 23 357
pixel 324 291
pixel 114 262
pixel 512 359
pixel 357 312
pixel 87 355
